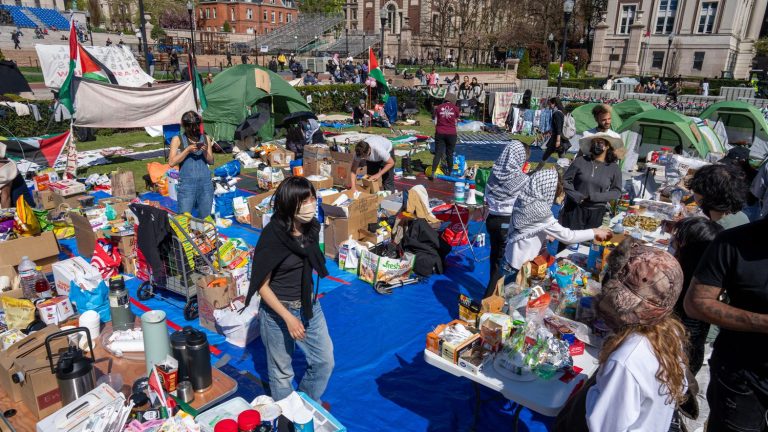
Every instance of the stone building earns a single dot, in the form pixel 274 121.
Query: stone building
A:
pixel 696 38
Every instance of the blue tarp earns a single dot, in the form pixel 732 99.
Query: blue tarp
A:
pixel 380 380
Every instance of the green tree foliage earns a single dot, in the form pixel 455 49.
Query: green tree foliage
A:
pixel 525 65
pixel 321 6
pixel 226 27
pixel 761 46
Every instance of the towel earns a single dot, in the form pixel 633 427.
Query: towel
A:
pixel 418 204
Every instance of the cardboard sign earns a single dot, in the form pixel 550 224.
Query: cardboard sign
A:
pixel 122 184
pixel 84 234
pixel 375 268
pixel 256 212
pixel 342 167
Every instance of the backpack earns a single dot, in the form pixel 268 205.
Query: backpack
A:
pixel 569 126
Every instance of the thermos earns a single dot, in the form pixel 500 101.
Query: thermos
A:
pixel 199 356
pixel 157 344
pixel 119 305
pixel 179 352
pixel 74 372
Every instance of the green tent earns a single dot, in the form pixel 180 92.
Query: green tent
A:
pixel 585 121
pixel 744 123
pixel 630 107
pixel 661 128
pixel 233 94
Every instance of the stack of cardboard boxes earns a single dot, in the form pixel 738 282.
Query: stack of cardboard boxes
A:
pixel 347 220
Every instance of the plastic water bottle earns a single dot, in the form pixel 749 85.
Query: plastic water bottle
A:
pixel 28 277
pixel 321 219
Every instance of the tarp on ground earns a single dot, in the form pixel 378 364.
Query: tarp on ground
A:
pixel 54 61
pixel 234 93
pixel 11 79
pixel 744 124
pixel 101 105
pixel 660 128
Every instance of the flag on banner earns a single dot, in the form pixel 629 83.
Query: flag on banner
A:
pixel 90 67
pixel 43 150
pixel 376 73
pixel 198 83
pixel 157 386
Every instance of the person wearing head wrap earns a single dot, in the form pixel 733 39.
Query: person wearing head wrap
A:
pixel 506 181
pixel 532 222
pixel 642 374
pixel 12 184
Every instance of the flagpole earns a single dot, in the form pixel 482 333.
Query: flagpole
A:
pixel 143 23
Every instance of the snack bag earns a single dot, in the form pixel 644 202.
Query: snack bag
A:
pixel 27 224
pixel 19 313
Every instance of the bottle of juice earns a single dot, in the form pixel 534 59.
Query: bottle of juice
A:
pixel 42 286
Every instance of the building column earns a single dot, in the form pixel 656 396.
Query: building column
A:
pixel 631 64
pixel 599 58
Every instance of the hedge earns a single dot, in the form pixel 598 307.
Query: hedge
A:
pixel 26 126
pixel 343 97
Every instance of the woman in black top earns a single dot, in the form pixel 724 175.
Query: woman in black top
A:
pixel 591 181
pixel 557 142
pixel 295 140
pixel 287 254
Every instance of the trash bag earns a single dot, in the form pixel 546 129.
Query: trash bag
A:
pixel 229 169
pixel 239 327
pixel 95 300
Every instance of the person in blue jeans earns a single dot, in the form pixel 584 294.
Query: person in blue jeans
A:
pixel 192 152
pixel 288 253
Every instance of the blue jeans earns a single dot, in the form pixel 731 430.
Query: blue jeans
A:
pixel 196 194
pixel 317 348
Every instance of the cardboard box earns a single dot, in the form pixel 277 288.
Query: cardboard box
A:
pixel 40 390
pixel 129 265
pixel 339 229
pixel 42 249
pixel 281 157
pixel 255 212
pixel 126 243
pixel 73 417
pixel 31 346
pixel 123 185
pixel 13 277
pixel 67 187
pixel 471 360
pixel 469 310
pixel 316 152
pixel 318 167
pixel 214 292
pixel 452 352
pixel 370 186
pixel 75 269
pixel 434 341
pixel 342 166
pixel 364 204
pixel 44 199
pixel 55 310
pixel 72 201
pixel 320 182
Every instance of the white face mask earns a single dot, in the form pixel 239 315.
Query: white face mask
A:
pixel 306 212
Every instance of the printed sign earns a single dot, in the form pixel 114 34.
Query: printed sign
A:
pixel 54 60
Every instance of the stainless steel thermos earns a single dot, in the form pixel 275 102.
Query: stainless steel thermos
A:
pixel 74 372
pixel 199 360
pixel 120 305
pixel 179 352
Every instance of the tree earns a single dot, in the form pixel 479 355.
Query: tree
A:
pixel 95 9
pixel 761 46
pixel 321 6
pixel 525 65
pixel 226 28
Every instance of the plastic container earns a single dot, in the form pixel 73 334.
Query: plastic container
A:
pixel 42 286
pixel 249 421
pixel 458 192
pixel 28 277
pixel 227 410
pixel 226 425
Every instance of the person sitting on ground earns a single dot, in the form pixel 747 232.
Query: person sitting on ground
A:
pixel 309 78
pixel 639 88
pixel 690 238
pixel 295 140
pixel 379 155
pixel 359 113
pixel 721 193
pixel 642 374
pixel 532 222
pixel 388 63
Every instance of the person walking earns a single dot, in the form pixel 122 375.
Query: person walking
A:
pixel 735 266
pixel 288 252
pixel 244 58
pixel 16 40
pixel 229 59
pixel 505 183
pixel 446 117
pixel 174 60
pixel 558 143
pixel 273 64
pixel 641 378
pixel 281 61
pixel 192 152
pixel 151 62
pixel 591 182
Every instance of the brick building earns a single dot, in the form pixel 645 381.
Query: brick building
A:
pixel 245 17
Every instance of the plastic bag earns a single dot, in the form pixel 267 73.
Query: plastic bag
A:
pixel 27 224
pixel 42 218
pixel 229 169
pixel 19 313
pixel 239 327
pixel 96 300
pixel 106 258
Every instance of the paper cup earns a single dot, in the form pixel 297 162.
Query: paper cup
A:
pixel 304 422
pixel 270 414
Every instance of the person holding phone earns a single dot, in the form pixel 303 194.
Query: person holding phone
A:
pixel 192 152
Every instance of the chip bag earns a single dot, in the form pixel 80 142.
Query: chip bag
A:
pixel 19 313
pixel 27 224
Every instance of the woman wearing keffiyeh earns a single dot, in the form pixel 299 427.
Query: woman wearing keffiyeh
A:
pixel 532 222
pixel 506 181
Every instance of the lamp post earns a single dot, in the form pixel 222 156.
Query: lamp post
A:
pixel 567 11
pixel 143 24
pixel 670 39
pixel 190 10
pixel 551 39
pixel 399 41
pixel 610 61
pixel 383 19
pixel 88 24
pixel 461 39
pixel 477 52
pixel 192 69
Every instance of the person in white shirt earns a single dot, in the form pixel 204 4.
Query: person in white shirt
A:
pixel 379 156
pixel 532 222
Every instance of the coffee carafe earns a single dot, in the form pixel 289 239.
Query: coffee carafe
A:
pixel 74 372
pixel 199 360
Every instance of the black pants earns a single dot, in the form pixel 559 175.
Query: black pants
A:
pixel 577 217
pixel 497 236
pixel 737 397
pixel 388 178
pixel 551 149
pixel 444 147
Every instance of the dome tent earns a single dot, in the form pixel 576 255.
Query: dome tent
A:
pixel 234 94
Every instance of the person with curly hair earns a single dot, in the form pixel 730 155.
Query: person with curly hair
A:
pixel 721 193
pixel 642 377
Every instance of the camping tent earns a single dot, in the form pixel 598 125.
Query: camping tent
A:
pixel 744 123
pixel 585 121
pixel 236 91
pixel 660 128
pixel 11 79
pixel 630 107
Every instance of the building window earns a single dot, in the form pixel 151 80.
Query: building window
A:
pixel 707 17
pixel 698 60
pixel 354 14
pixel 658 59
pixel 207 13
pixel 665 21
pixel 391 15
pixel 627 18
pixel 214 13
pixel 289 18
pixel 265 15
pixel 273 17
pixel 232 14
pixel 201 14
pixel 249 14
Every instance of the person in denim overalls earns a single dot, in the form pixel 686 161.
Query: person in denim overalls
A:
pixel 192 152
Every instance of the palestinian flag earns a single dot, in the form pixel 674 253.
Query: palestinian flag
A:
pixel 90 68
pixel 198 83
pixel 375 72
pixel 42 150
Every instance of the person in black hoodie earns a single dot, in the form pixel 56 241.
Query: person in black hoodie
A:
pixel 287 254
pixel 591 182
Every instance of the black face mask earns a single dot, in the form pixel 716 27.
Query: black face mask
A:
pixel 597 148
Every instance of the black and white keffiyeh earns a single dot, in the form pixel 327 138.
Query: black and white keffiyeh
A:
pixel 507 178
pixel 533 208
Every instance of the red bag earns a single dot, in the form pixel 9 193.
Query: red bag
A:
pixel 455 235
pixel 106 258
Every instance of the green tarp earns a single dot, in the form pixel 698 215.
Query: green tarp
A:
pixel 233 94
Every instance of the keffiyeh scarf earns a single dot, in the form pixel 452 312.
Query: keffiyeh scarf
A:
pixel 533 208
pixel 507 178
